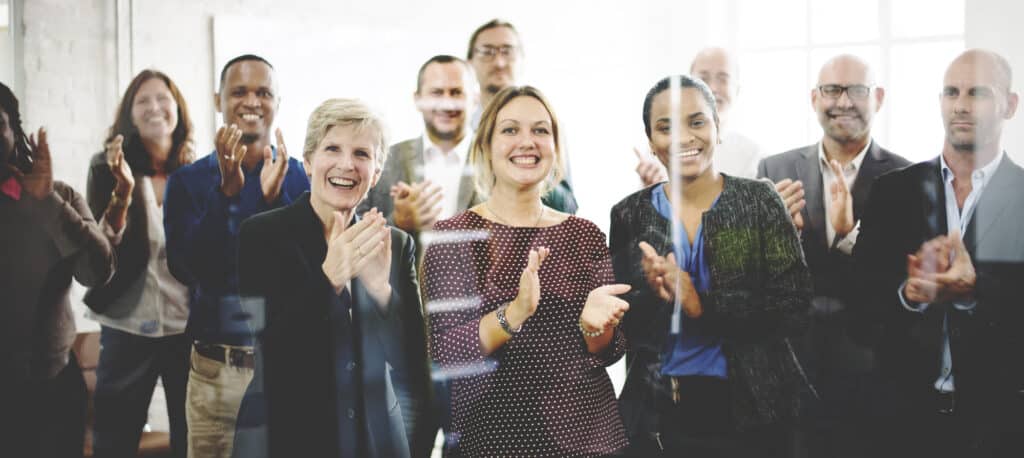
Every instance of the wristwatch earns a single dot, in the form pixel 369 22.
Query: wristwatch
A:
pixel 503 321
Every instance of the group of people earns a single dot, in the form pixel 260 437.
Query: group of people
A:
pixel 355 301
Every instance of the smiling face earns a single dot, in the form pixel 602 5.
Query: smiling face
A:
pixel 523 148
pixel 719 71
pixel 442 99
pixel 154 111
pixel 248 99
pixel 690 155
pixel 846 119
pixel 343 167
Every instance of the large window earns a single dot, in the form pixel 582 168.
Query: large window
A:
pixel 783 43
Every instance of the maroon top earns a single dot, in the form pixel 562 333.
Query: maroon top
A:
pixel 542 393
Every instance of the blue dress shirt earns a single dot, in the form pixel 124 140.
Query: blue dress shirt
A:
pixel 201 225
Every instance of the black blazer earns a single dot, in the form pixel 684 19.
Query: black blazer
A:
pixel 907 208
pixel 280 257
pixel 832 270
pixel 133 251
pixel 759 296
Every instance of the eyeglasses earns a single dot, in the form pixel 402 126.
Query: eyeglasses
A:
pixel 854 91
pixel 488 53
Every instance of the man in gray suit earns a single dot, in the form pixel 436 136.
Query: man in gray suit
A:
pixel 825 186
pixel 425 178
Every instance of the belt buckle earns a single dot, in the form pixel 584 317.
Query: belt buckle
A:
pixel 946 403
pixel 236 357
pixel 675 389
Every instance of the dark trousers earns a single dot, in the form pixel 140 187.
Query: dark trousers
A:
pixel 127 373
pixel 698 423
pixel 44 418
pixel 930 425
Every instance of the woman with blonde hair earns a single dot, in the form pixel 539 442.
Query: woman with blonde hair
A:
pixel 523 313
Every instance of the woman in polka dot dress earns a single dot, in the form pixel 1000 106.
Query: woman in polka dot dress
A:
pixel 522 309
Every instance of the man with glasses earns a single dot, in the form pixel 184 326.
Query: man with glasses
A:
pixel 825 186
pixel 495 53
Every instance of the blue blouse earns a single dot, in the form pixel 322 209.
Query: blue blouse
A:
pixel 689 352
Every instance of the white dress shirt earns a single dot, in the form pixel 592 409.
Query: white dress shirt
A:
pixel 446 170
pixel 827 178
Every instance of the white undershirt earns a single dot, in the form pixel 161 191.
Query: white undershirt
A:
pixel 446 170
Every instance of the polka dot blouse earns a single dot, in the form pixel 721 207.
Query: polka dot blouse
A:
pixel 542 393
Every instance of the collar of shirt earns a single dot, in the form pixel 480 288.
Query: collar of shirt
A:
pixel 851 168
pixel 979 177
pixel 432 152
pixel 11 187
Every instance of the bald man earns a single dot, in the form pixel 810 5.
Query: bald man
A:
pixel 941 260
pixel 825 186
pixel 737 155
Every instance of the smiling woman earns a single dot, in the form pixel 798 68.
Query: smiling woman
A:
pixel 143 325
pixel 719 283
pixel 528 351
pixel 341 291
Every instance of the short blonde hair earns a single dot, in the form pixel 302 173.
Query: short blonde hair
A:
pixel 345 112
pixel 480 148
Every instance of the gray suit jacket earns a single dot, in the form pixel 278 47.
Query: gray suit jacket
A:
pixel 405 163
pixel 829 267
pixel 827 347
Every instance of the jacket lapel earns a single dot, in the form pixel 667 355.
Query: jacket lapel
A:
pixel 995 200
pixel 808 171
pixel 873 165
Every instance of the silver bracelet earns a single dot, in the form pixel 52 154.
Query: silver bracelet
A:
pixel 590 334
pixel 503 321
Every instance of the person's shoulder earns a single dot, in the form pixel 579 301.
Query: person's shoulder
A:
pixel 64 190
pixel 410 144
pixel 749 186
pixel 466 220
pixel 787 157
pixel 897 160
pixel 635 199
pixel 200 167
pixel 98 159
pixel 278 221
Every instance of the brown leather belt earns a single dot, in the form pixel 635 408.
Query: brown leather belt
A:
pixel 231 356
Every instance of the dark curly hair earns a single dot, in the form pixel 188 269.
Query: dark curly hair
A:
pixel 9 105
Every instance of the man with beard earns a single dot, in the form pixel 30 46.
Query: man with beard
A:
pixel 496 54
pixel 204 207
pixel 426 179
pixel 951 352
pixel 825 186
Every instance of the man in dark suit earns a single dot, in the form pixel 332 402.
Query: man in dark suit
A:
pixel 825 186
pixel 951 350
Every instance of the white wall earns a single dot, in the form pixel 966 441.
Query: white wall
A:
pixel 995 24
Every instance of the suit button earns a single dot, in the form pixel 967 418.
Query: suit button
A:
pixel 351 413
pixel 350 366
